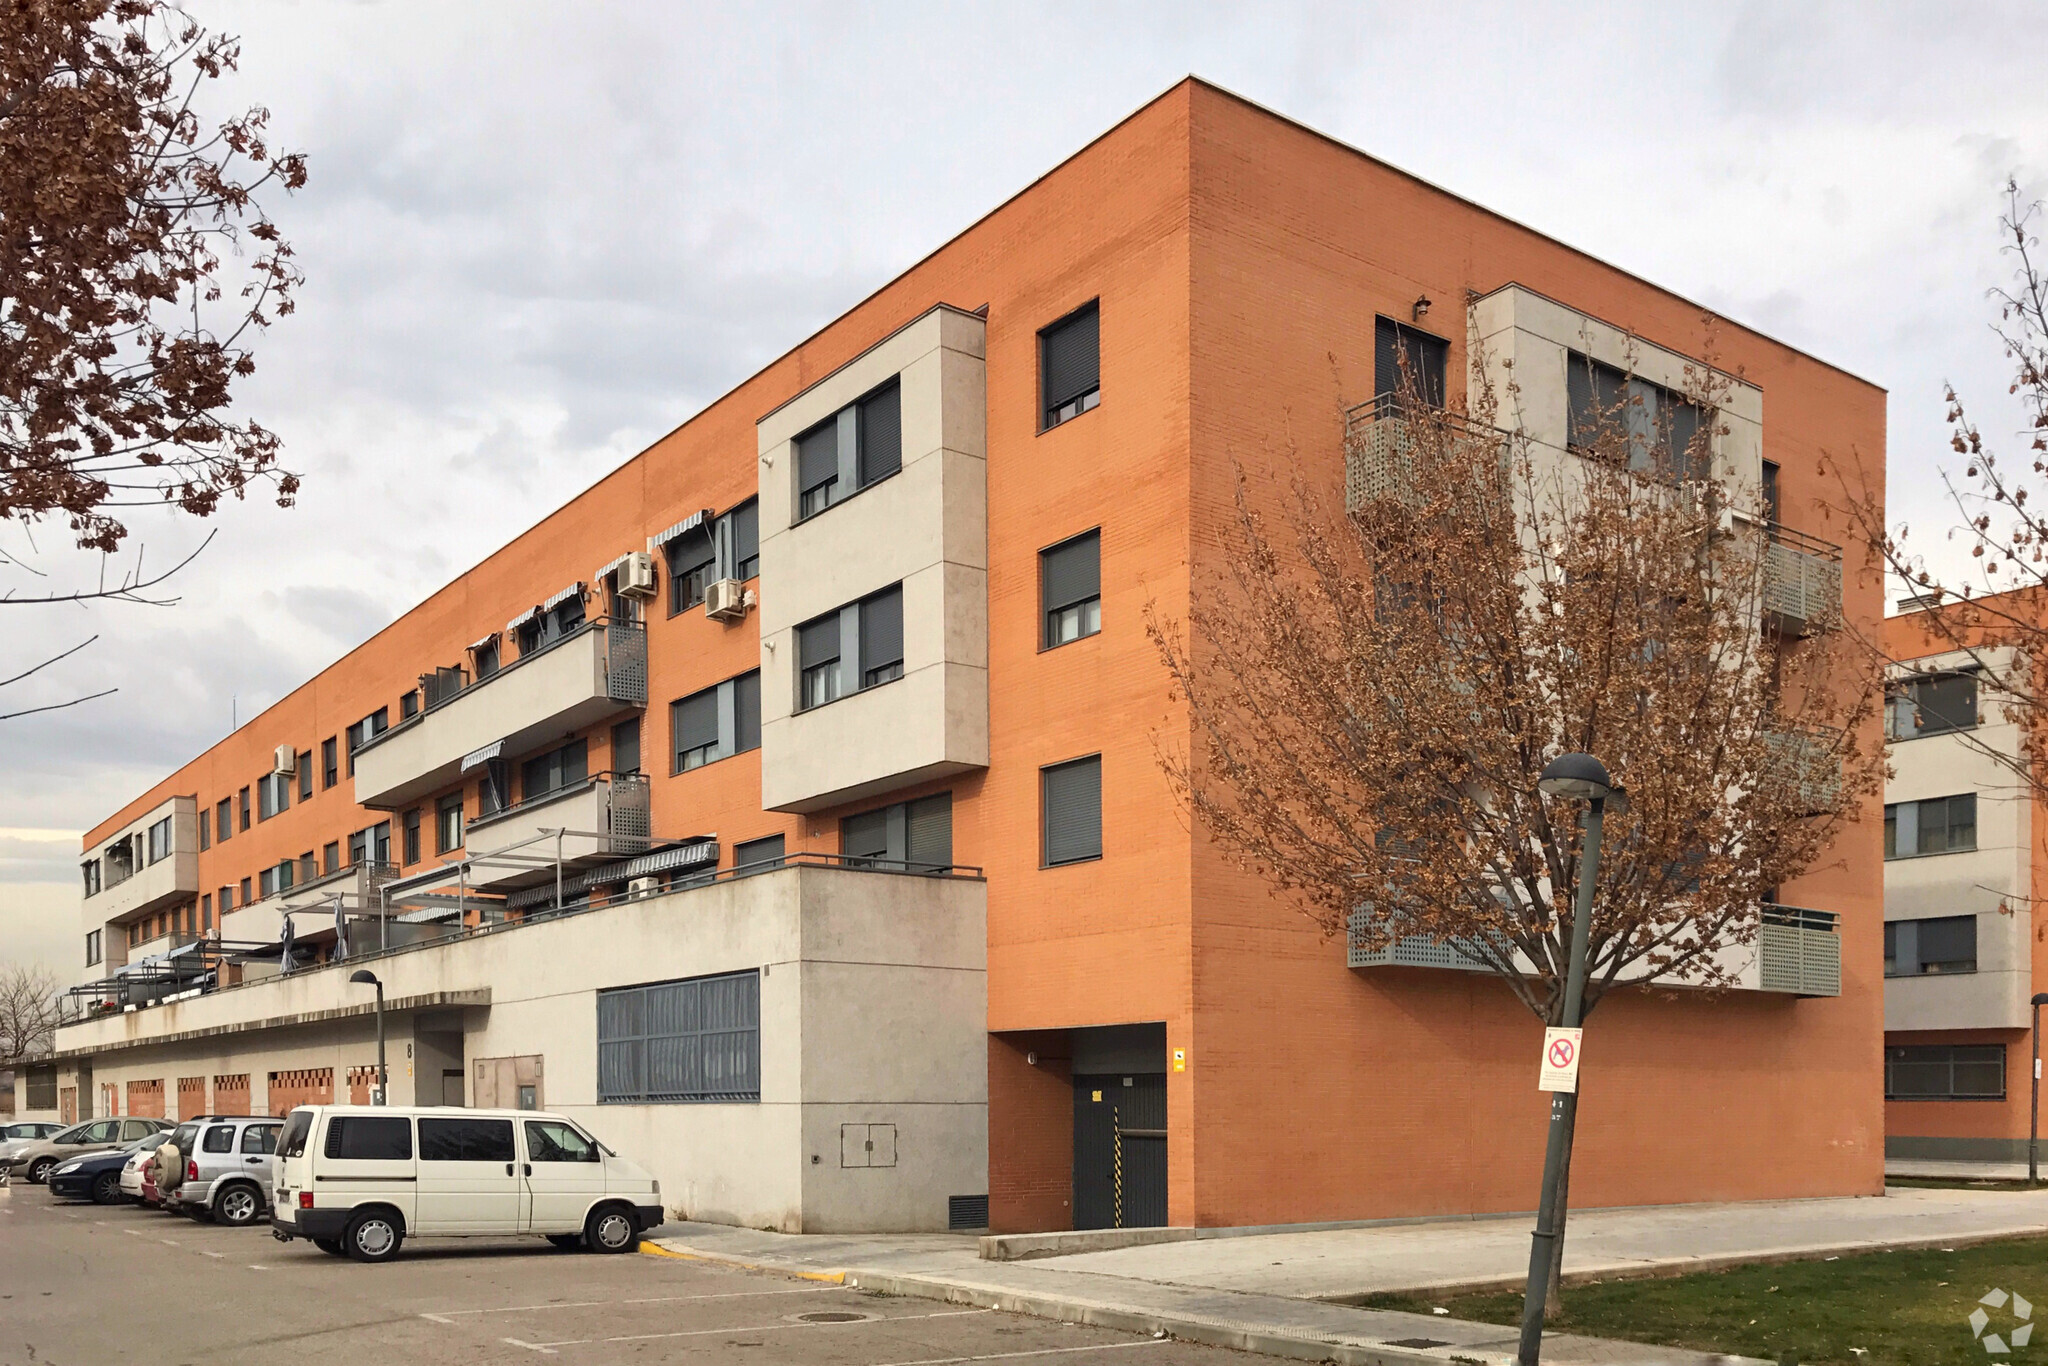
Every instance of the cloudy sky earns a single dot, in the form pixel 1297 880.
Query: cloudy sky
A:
pixel 538 236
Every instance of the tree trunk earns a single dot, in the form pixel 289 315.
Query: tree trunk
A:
pixel 1553 1301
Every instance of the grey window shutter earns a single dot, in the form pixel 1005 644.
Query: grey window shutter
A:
pixel 696 720
pixel 767 849
pixel 930 830
pixel 1950 939
pixel 818 642
pixel 817 455
pixel 881 435
pixel 1073 811
pixel 1073 571
pixel 746 709
pixel 1425 355
pixel 865 835
pixel 1072 357
pixel 746 533
pixel 881 630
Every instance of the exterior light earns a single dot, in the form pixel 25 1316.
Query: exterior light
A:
pixel 1579 776
pixel 363 977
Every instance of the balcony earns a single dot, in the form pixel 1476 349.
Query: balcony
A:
pixel 1381 440
pixel 171 880
pixel 1804 758
pixel 593 674
pixel 1799 952
pixel 1802 582
pixel 1411 951
pixel 612 807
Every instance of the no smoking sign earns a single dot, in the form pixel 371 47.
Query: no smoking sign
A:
pixel 1560 1071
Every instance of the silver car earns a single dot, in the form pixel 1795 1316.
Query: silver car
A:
pixel 230 1167
pixel 35 1159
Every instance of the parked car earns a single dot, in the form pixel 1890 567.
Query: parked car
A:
pixel 131 1170
pixel 15 1137
pixel 230 1168
pixel 96 1176
pixel 150 1181
pixel 360 1180
pixel 93 1136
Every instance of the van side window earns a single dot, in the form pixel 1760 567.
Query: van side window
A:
pixel 370 1138
pixel 465 1140
pixel 259 1138
pixel 551 1141
pixel 218 1139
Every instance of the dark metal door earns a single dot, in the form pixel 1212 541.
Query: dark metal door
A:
pixel 1120 1150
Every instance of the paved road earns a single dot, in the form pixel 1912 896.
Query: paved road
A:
pixel 82 1285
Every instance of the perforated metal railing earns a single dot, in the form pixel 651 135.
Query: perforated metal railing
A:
pixel 1799 951
pixel 1802 580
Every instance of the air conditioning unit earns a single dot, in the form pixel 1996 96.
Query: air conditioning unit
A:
pixel 642 886
pixel 725 600
pixel 285 761
pixel 636 576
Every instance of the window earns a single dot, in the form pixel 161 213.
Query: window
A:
pixel 206 913
pixel 260 1139
pixel 245 808
pixel 1931 706
pixel 219 1138
pixel 869 631
pixel 555 770
pixel 1770 491
pixel 466 1140
pixel 692 559
pixel 330 773
pixel 485 656
pixel 1073 810
pixel 818 657
pixel 861 444
pixel 1397 346
pixel 1070 366
pixel 765 852
pixel 358 848
pixel 243 900
pixel 273 794
pixel 694 722
pixel 626 746
pixel 305 767
pixel 550 1140
pixel 205 831
pixel 330 857
pixel 365 730
pixel 448 823
pixel 695 1040
pixel 93 947
pixel 292 1142
pixel 906 837
pixel 1937 825
pixel 494 790
pixel 1950 1071
pixel 266 882
pixel 1070 588
pixel 741 530
pixel 881 637
pixel 368 1138
pixel 716 723
pixel 1660 425
pixel 410 822
pixel 408 704
pixel 225 899
pixel 91 869
pixel 1928 948
pixel 380 842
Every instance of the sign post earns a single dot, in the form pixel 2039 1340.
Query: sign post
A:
pixel 1560 1069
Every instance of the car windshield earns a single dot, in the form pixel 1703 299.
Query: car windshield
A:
pixel 74 1134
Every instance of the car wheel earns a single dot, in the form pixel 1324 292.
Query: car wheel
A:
pixel 238 1206
pixel 106 1188
pixel 331 1246
pixel 611 1229
pixel 39 1170
pixel 372 1236
pixel 568 1242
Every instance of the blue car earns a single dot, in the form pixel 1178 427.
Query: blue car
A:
pixel 96 1176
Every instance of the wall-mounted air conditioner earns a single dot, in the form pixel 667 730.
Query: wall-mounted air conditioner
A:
pixel 643 886
pixel 725 600
pixel 636 576
pixel 285 760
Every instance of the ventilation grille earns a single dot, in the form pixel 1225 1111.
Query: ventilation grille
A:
pixel 966 1211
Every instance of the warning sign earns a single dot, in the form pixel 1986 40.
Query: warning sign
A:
pixel 1560 1070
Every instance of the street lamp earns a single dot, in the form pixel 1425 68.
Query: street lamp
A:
pixel 2034 1131
pixel 364 977
pixel 1574 777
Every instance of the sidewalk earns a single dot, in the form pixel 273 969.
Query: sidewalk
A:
pixel 1941 1170
pixel 1279 1293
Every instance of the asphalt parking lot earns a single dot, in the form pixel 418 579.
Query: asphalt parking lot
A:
pixel 81 1285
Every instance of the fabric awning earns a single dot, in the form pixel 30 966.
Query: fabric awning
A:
pixel 476 758
pixel 689 523
pixel 605 571
pixel 476 645
pixel 574 590
pixel 512 626
pixel 688 854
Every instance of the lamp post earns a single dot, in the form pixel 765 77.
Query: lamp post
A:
pixel 364 977
pixel 1578 777
pixel 2034 1123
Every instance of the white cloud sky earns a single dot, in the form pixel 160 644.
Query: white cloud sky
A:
pixel 537 237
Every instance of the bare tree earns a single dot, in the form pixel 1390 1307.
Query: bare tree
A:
pixel 28 1013
pixel 1375 688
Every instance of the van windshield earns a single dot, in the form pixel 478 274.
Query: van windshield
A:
pixel 292 1142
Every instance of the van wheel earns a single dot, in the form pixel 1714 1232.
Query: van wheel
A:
pixel 611 1229
pixel 372 1236
pixel 331 1246
pixel 568 1242
pixel 238 1206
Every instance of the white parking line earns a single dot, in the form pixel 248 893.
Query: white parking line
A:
pixel 1040 1352
pixel 751 1328
pixel 254 1267
pixel 217 1256
pixel 450 1315
pixel 168 1242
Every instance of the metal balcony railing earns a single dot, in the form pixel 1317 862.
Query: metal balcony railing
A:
pixel 1799 951
pixel 1803 758
pixel 1802 581
pixel 1381 438
pixel 1411 951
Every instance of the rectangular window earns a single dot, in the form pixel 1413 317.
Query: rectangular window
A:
pixel 555 770
pixel 243 899
pixel 1073 810
pixel 266 882
pixel 905 837
pixel 330 857
pixel 694 723
pixel 225 899
pixel 369 1138
pixel 692 564
pixel 408 704
pixel 881 637
pixel 305 767
pixel 818 658
pixel 1936 825
pixel 1931 706
pixel 1950 1071
pixel 223 821
pixel 411 825
pixel 448 823
pixel 746 711
pixel 626 746
pixel 494 789
pixel 205 830
pixel 766 852
pixel 365 730
pixel 1070 588
pixel 358 848
pixel 716 723
pixel 245 808
pixel 330 771
pixel 1770 492
pixel 91 871
pixel 466 1140
pixel 1070 366
pixel 486 658
pixel 880 434
pixel 743 527
pixel 206 913
pixel 868 634
pixel 1659 426
pixel 817 465
pixel 273 794
pixel 93 952
pixel 695 1040
pixel 160 840
pixel 859 445
pixel 1408 360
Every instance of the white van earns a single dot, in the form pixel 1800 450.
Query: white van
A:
pixel 360 1179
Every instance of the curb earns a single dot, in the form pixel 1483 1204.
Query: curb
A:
pixel 691 1254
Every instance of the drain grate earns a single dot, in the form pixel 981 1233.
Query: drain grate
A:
pixel 1417 1342
pixel 831 1316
